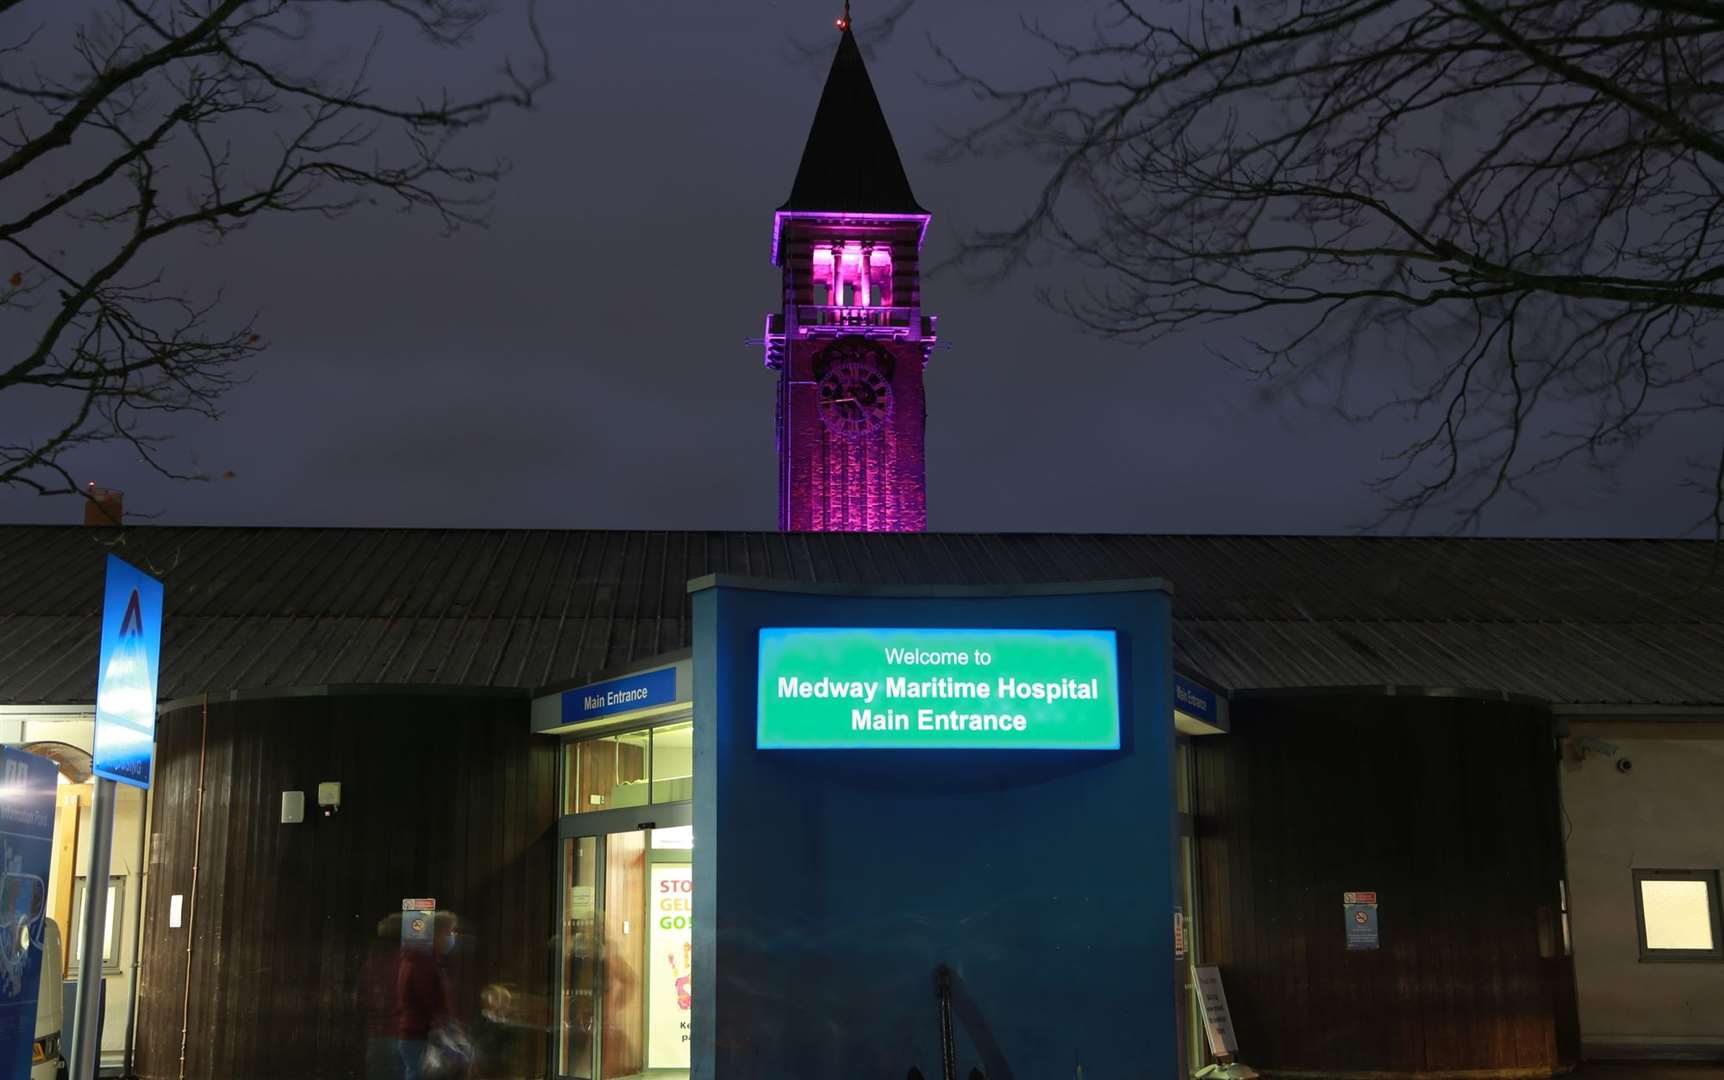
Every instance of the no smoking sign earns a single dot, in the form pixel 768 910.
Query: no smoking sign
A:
pixel 1362 930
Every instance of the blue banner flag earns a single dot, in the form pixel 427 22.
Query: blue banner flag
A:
pixel 126 677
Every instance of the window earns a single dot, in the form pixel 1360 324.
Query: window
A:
pixel 1562 899
pixel 1182 774
pixel 849 275
pixel 110 929
pixel 850 280
pixel 608 773
pixel 633 768
pixel 673 762
pixel 1678 914
pixel 880 276
pixel 823 277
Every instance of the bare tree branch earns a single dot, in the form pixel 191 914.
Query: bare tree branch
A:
pixel 95 344
pixel 1507 208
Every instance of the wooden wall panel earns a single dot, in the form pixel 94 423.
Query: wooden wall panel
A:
pixel 1448 809
pixel 443 796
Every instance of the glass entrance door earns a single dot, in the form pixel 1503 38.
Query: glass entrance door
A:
pixel 626 990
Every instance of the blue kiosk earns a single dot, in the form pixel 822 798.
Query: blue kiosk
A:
pixel 899 787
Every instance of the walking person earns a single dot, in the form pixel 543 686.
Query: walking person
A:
pixel 429 1042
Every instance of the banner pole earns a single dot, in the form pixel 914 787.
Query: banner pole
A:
pixel 87 1027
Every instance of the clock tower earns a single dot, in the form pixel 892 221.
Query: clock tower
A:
pixel 851 341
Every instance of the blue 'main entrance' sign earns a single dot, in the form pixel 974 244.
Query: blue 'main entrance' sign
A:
pixel 26 845
pixel 126 677
pixel 1193 700
pixel 643 691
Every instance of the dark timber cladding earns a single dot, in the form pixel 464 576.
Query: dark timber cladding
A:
pixel 1447 808
pixel 443 796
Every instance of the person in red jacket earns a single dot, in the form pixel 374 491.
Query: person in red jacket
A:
pixel 422 1005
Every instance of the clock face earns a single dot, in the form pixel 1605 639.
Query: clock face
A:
pixel 855 398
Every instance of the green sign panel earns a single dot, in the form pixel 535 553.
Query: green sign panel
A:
pixel 854 688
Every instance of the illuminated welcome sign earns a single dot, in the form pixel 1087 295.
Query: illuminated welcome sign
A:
pixel 853 688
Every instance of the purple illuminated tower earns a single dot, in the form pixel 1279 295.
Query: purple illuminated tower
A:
pixel 851 341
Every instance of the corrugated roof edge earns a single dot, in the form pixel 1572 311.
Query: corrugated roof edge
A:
pixel 1078 588
pixel 193 701
pixel 1384 690
pixel 623 671
pixel 1373 537
pixel 1604 711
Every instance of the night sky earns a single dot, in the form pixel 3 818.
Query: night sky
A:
pixel 582 363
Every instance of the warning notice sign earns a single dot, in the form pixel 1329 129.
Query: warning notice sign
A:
pixel 1361 909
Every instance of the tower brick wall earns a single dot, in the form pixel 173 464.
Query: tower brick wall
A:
pixel 834 482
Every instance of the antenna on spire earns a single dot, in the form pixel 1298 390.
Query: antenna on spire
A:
pixel 844 20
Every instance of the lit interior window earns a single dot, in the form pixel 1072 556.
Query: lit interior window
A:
pixel 1678 914
pixel 845 276
pixel 880 276
pixel 1567 940
pixel 851 284
pixel 115 898
pixel 823 275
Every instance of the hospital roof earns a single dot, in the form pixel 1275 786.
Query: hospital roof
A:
pixel 1613 622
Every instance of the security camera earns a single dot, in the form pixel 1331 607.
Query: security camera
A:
pixel 1624 765
pixel 1597 746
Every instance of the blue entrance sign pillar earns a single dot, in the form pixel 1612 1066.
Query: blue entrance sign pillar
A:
pixel 890 783
pixel 125 743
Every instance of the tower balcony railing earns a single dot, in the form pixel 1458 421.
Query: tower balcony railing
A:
pixel 848 316
pixel 825 321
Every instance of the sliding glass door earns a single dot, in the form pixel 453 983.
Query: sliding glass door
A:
pixel 627 947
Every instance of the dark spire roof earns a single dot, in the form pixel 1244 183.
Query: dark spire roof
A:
pixel 851 162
